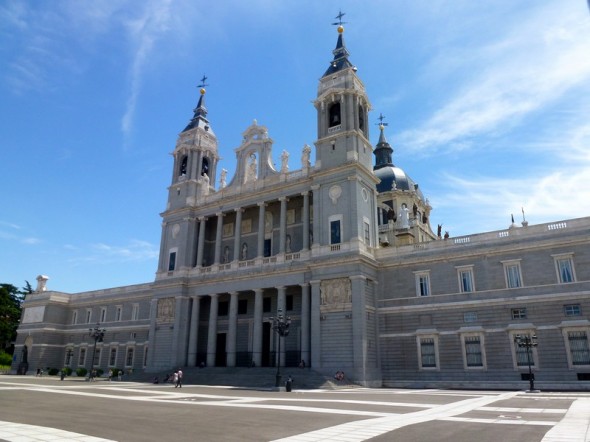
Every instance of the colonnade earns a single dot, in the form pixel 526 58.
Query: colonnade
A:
pixel 257 326
pixel 237 251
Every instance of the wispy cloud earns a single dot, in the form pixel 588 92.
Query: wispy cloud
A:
pixel 135 250
pixel 144 32
pixel 511 78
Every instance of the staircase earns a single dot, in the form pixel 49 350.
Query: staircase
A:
pixel 261 378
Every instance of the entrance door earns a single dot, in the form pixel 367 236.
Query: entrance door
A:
pixel 265 362
pixel 220 354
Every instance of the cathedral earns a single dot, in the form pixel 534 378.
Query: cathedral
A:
pixel 342 252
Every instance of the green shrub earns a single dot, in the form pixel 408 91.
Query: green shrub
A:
pixel 67 371
pixel 81 371
pixel 52 371
pixel 99 372
pixel 5 358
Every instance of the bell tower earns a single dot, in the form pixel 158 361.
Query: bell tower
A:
pixel 193 175
pixel 342 113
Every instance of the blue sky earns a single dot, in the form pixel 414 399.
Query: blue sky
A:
pixel 487 104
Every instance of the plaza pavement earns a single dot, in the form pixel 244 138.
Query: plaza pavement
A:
pixel 47 409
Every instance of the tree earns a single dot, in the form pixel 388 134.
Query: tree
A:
pixel 11 300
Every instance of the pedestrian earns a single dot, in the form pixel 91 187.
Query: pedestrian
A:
pixel 175 379
pixel 179 381
pixel 120 375
pixel 110 374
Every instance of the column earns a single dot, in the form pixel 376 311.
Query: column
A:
pixel 281 305
pixel 232 329
pixel 163 262
pixel 212 336
pixel 152 332
pixel 192 236
pixel 305 323
pixel 201 244
pixel 359 326
pixel 194 332
pixel 283 225
pixel 199 162
pixel 238 234
pixel 261 208
pixel 257 332
pixel 316 347
pixel 178 337
pixel 218 237
pixel 305 220
pixel 317 216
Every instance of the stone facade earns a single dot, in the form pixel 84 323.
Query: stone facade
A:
pixel 344 247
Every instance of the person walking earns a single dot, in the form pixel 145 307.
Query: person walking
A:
pixel 175 379
pixel 179 380
pixel 110 374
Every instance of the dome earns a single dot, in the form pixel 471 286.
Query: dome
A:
pixel 390 175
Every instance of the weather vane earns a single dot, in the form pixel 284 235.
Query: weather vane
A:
pixel 381 118
pixel 339 17
pixel 203 82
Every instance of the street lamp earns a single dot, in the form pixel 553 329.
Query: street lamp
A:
pixel 527 342
pixel 97 334
pixel 280 324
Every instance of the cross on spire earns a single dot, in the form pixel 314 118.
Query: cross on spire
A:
pixel 203 82
pixel 339 17
pixel 381 118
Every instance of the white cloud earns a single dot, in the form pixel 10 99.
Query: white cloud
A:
pixel 134 251
pixel 534 66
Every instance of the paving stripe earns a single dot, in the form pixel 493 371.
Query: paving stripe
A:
pixel 359 431
pixel 574 427
pixel 10 431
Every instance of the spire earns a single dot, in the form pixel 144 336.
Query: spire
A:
pixel 200 112
pixel 383 151
pixel 340 60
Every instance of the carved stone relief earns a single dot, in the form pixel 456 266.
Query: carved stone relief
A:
pixel 166 310
pixel 335 291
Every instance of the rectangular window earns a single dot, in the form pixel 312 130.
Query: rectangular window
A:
pixel 172 261
pixel 75 317
pixel 223 308
pixel 473 351
pixel 82 357
pixel 572 310
pixel 145 356
pixel 565 269
pixel 513 279
pixel 103 314
pixel 422 283
pixel 289 303
pixel 266 305
pixel 69 353
pixel 335 232
pixel 367 232
pixel 523 354
pixel 518 313
pixel 119 313
pixel 135 312
pixel 470 317
pixel 129 358
pixel 96 362
pixel 267 247
pixel 579 350
pixel 113 357
pixel 88 316
pixel 242 306
pixel 427 353
pixel 465 279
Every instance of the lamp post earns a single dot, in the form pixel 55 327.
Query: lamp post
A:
pixel 280 324
pixel 527 342
pixel 97 334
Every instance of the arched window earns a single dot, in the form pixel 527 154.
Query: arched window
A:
pixel 205 166
pixel 334 115
pixel 183 164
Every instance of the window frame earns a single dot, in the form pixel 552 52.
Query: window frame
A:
pixel 332 219
pixel 464 346
pixel 113 363
pixel 570 310
pixel 135 312
pixel 564 257
pixel 82 356
pixel 570 360
pixel 419 276
pixel 511 264
pixel 420 337
pixel 520 315
pixel 467 269
pixel 514 349
pixel 127 350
